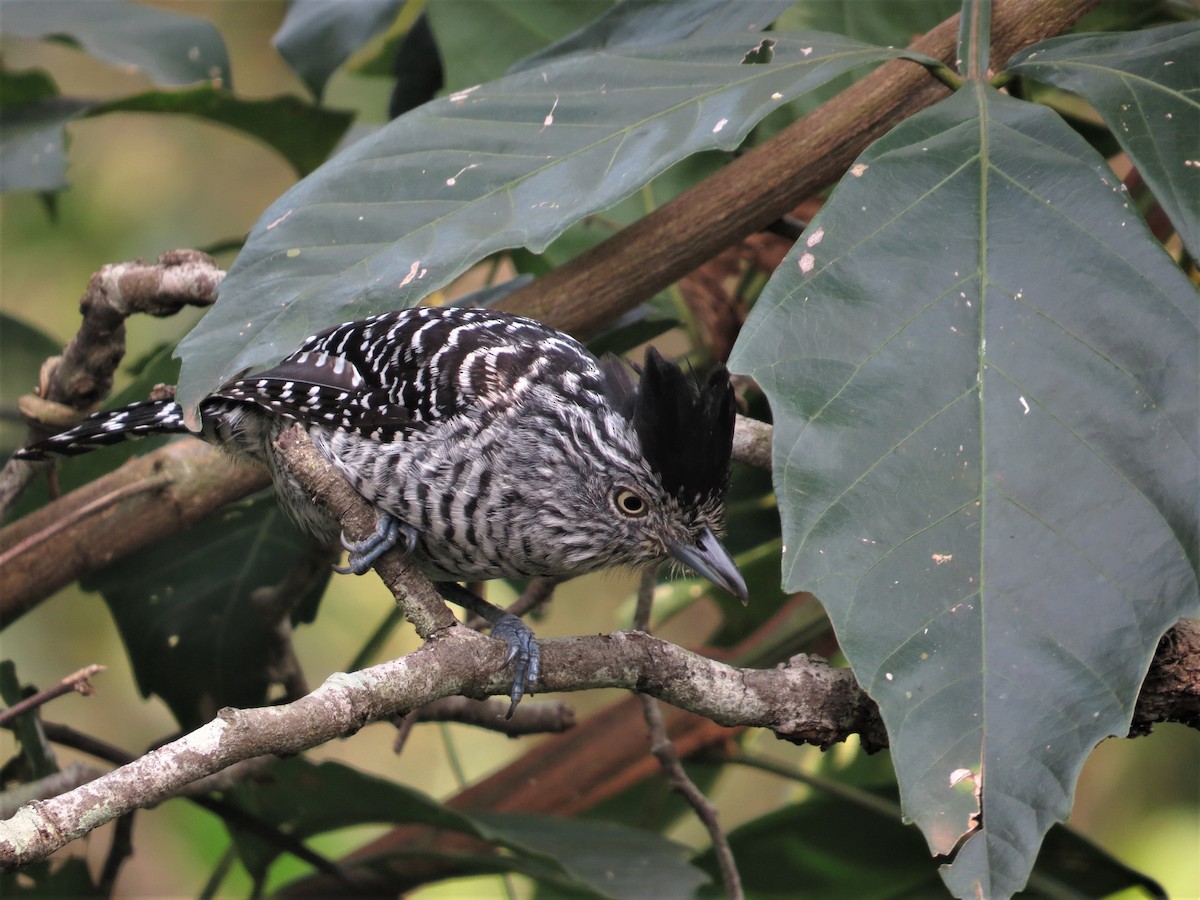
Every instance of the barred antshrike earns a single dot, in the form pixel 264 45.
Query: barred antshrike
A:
pixel 490 445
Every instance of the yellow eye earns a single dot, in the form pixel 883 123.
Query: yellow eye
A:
pixel 630 503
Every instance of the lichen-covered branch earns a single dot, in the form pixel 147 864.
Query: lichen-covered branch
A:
pixel 798 701
pixel 72 384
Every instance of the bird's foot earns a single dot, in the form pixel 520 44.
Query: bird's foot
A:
pixel 523 651
pixel 389 532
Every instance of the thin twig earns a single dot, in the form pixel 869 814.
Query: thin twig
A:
pixel 77 682
pixel 119 850
pixel 668 758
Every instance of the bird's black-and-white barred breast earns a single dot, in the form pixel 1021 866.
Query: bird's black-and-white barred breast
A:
pixel 491 445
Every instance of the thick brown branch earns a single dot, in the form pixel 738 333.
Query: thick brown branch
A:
pixel 767 182
pixel 1171 692
pixel 145 500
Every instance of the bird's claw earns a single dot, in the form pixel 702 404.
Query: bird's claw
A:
pixel 389 532
pixel 524 651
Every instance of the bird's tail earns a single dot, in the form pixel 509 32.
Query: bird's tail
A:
pixel 111 427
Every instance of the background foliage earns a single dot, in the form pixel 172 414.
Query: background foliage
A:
pixel 144 184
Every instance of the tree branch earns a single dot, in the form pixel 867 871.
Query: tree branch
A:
pixel 78 682
pixel 801 701
pixel 149 498
pixel 767 181
pixel 72 384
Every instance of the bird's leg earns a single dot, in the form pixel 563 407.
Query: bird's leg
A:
pixel 522 645
pixel 389 531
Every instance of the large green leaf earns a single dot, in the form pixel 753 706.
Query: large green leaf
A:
pixel 515 162
pixel 645 23
pixel 301 133
pixel 983 372
pixel 186 608
pixel 834 849
pixel 480 39
pixel 304 798
pixel 1146 85
pixel 32 144
pixel 172 48
pixel 613 860
pixel 318 36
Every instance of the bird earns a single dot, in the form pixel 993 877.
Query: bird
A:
pixel 489 445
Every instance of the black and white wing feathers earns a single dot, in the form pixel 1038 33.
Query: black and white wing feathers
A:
pixel 402 372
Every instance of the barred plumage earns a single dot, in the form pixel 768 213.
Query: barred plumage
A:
pixel 494 445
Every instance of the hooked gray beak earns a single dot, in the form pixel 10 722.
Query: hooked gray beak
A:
pixel 709 558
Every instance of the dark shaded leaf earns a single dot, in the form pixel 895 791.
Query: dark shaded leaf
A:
pixel 830 848
pixel 170 47
pixel 301 133
pixel 983 373
pixel 25 87
pixel 32 152
pixel 614 860
pixel 303 798
pixel 317 36
pixel 1146 85
pixel 37 756
pixel 416 66
pixel 67 877
pixel 186 611
pixel 402 212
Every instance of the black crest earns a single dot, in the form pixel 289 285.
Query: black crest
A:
pixel 686 431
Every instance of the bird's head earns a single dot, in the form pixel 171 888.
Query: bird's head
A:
pixel 671 504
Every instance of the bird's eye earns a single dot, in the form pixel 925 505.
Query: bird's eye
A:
pixel 630 503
